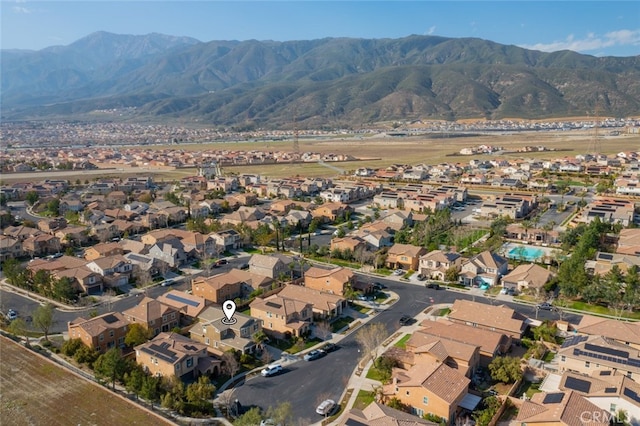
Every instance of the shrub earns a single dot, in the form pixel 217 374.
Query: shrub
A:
pixel 71 346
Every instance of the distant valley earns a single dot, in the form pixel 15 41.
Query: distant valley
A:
pixel 326 83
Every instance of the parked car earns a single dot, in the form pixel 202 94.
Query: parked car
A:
pixel 405 319
pixel 168 282
pixel 545 306
pixel 398 272
pixel 222 262
pixel 11 315
pixel 378 286
pixel 329 347
pixel 269 422
pixel 421 277
pixel 432 285
pixel 326 407
pixel 271 370
pixel 314 354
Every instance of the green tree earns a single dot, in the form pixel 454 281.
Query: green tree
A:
pixel 137 334
pixel 505 369
pixel 63 289
pixel 43 319
pixel 134 380
pixel 150 389
pixel 71 346
pixel 200 392
pixel 451 275
pixel 32 197
pixel 86 355
pixel 250 418
pixel 111 365
pixel 13 271
pixel 18 327
pixel 546 332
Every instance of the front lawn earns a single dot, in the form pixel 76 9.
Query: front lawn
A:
pixel 402 343
pixel 375 374
pixel 363 399
pixel 359 308
pixel 444 312
pixel 293 346
pixel 596 309
pixel 340 323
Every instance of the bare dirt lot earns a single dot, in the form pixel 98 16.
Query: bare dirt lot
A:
pixel 35 391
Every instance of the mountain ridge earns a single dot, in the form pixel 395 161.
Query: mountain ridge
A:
pixel 322 82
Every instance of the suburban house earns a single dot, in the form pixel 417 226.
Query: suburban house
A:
pixel 561 409
pixel 220 337
pixel 627 333
pixel 483 268
pixel 226 240
pixel 609 392
pixel 588 354
pixel 83 279
pixel 525 277
pixel 352 244
pixel 10 248
pixel 283 317
pixel 490 343
pixel 433 388
pixel 271 266
pixel 171 354
pixel 325 305
pixel 189 305
pixel 629 241
pixel 115 270
pixel 218 288
pixel 102 250
pixel 501 319
pixel 153 315
pixel 41 245
pixel 100 333
pixel 382 415
pixel 170 251
pixel 436 263
pixel 424 348
pixel 333 281
pixel 329 212
pixel 404 256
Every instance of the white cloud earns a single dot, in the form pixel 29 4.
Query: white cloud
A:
pixel 590 42
pixel 20 9
pixel 431 30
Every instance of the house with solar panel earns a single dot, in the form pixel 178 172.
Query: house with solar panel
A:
pixel 100 333
pixel 189 305
pixel 153 315
pixel 561 408
pixel 625 332
pixel 220 337
pixel 588 354
pixel 609 391
pixel 171 354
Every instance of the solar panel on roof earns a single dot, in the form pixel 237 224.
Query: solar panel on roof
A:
pixel 605 373
pixel 274 305
pixel 577 384
pixel 631 394
pixel 178 298
pixel 610 390
pixel 573 340
pixel 110 319
pixel 606 256
pixel 605 350
pixel 553 398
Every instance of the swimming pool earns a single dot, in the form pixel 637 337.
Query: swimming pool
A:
pixel 525 253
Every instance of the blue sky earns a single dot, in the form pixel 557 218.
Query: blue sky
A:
pixel 593 27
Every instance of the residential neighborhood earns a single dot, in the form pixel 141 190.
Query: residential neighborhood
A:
pixel 503 290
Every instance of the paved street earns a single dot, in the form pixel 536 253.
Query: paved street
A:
pixel 306 384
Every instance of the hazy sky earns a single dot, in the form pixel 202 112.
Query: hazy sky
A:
pixel 592 27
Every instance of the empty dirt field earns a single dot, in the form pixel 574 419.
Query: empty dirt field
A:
pixel 35 391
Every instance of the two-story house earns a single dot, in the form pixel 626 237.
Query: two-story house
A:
pixel 501 319
pixel 333 281
pixel 153 315
pixel 404 256
pixel 102 250
pixel 433 388
pixel 10 248
pixel 171 354
pixel 100 333
pixel 483 268
pixel 218 288
pixel 115 270
pixel 221 337
pixel 283 317
pixel 271 266
pixel 436 263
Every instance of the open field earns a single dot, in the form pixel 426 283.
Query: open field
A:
pixel 36 391
pixel 375 152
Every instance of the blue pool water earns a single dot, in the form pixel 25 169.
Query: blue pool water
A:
pixel 525 253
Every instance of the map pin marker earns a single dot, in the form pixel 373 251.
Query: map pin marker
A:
pixel 229 308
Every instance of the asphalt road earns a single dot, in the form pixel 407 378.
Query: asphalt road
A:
pixel 306 384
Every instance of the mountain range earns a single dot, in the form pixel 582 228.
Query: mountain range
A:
pixel 335 82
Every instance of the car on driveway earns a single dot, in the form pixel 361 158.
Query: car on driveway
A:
pixel 326 407
pixel 398 272
pixel 405 320
pixel 329 347
pixel 545 306
pixel 314 354
pixel 271 370
pixel 421 277
pixel 11 315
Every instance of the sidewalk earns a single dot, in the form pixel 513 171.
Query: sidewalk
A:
pixel 359 382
